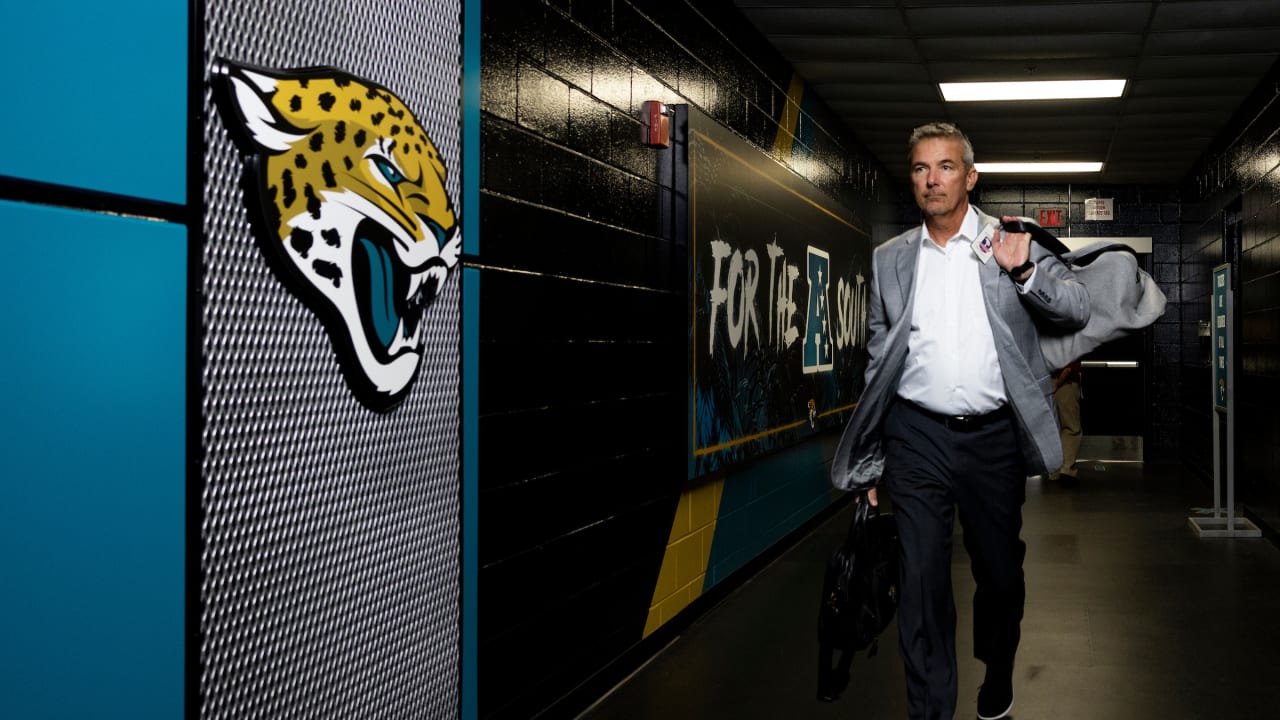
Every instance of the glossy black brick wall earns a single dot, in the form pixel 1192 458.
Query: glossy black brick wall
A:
pixel 584 316
pixel 1238 182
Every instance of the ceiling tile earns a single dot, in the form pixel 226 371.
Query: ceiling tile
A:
pixel 861 71
pixel 971 70
pixel 872 91
pixel 1208 14
pixel 1128 17
pixel 843 21
pixel 876 64
pixel 1249 67
pixel 1202 88
pixel 800 48
pixel 1214 42
pixel 1032 47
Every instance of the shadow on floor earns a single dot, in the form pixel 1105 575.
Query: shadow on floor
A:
pixel 1129 616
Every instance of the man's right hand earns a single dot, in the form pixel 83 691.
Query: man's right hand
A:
pixel 871 497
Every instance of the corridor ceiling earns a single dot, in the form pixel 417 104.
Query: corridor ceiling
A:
pixel 877 64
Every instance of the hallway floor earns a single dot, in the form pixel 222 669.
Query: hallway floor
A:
pixel 1129 616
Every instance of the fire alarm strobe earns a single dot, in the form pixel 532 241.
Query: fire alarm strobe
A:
pixel 655 124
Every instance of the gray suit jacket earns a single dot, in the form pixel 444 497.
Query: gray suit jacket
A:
pixel 1055 298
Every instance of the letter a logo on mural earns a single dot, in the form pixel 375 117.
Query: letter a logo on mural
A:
pixel 817 336
pixel 351 211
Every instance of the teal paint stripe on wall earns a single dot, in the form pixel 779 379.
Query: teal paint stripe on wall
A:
pixel 470 488
pixel 96 95
pixel 470 356
pixel 765 502
pixel 471 126
pixel 804 135
pixel 92 494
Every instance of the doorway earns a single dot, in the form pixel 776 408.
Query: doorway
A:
pixel 1115 389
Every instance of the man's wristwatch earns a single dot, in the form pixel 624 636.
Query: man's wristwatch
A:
pixel 1014 273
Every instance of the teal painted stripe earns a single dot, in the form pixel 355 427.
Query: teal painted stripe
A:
pixel 804 135
pixel 93 485
pixel 471 127
pixel 470 353
pixel 763 503
pixel 470 483
pixel 101 101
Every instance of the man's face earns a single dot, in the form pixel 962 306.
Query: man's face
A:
pixel 939 177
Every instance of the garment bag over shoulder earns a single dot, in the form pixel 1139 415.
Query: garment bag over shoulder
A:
pixel 1123 298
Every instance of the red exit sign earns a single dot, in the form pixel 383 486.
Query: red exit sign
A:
pixel 1053 217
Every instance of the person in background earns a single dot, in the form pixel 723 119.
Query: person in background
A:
pixel 956 414
pixel 1066 395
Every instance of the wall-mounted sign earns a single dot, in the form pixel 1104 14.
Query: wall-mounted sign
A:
pixel 1053 217
pixel 346 195
pixel 1221 334
pixel 1099 209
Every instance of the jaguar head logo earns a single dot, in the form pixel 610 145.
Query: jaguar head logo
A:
pixel 346 193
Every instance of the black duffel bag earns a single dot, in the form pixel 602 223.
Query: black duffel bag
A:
pixel 859 596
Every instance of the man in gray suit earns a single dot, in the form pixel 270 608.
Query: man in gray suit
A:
pixel 957 413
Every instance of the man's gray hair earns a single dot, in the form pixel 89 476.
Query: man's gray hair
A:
pixel 941 130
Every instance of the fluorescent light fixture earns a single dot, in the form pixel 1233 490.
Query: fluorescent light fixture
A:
pixel 1031 90
pixel 1038 167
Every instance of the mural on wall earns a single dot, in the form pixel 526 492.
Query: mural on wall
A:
pixel 780 296
pixel 346 193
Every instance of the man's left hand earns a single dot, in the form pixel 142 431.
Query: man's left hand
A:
pixel 1011 249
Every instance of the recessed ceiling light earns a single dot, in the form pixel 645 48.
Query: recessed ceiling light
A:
pixel 1031 90
pixel 1038 167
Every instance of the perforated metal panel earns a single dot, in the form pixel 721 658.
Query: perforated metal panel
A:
pixel 331 560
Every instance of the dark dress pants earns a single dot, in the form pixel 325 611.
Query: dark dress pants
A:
pixel 931 471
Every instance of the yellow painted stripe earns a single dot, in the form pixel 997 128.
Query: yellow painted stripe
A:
pixel 765 433
pixel 684 565
pixel 790 119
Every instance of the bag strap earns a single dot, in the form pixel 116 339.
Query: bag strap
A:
pixel 1050 242
pixel 1043 238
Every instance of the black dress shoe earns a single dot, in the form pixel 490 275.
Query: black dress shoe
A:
pixel 995 697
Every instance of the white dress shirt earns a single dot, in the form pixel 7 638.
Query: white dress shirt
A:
pixel 951 365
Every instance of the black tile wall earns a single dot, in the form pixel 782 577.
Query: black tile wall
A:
pixel 1239 179
pixel 583 315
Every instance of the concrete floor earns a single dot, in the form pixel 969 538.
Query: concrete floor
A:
pixel 1129 616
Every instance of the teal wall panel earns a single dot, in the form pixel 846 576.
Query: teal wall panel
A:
pixel 96 95
pixel 92 493
pixel 765 501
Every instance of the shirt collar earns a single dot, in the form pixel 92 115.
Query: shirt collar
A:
pixel 968 229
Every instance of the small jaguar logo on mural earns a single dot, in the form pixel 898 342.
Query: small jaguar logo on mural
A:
pixel 346 193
